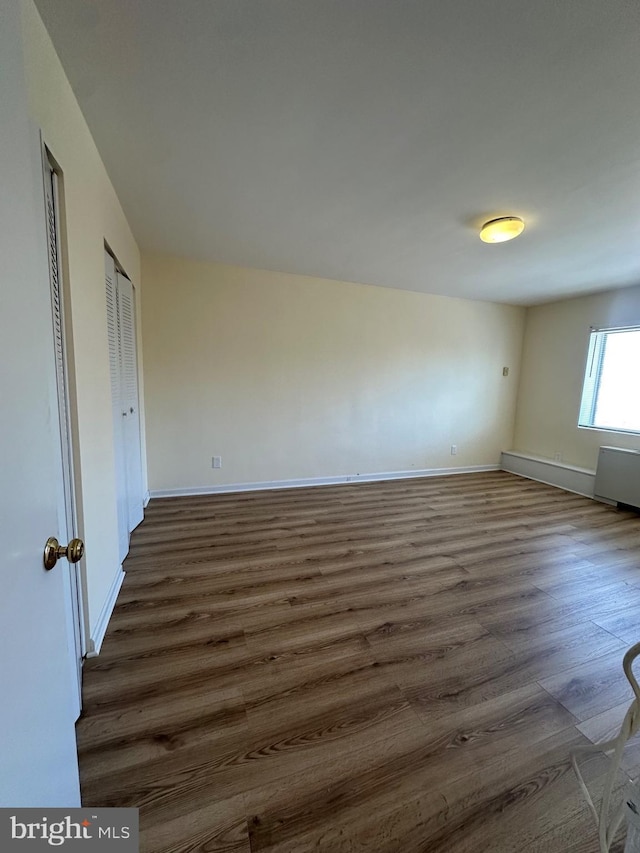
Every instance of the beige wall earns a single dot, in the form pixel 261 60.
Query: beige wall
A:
pixel 291 377
pixel 553 364
pixel 93 215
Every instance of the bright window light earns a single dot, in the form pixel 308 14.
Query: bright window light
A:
pixel 611 391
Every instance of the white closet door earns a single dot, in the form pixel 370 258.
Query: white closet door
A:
pixel 67 522
pixel 113 329
pixel 129 398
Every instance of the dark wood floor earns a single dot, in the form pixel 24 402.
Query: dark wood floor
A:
pixel 383 667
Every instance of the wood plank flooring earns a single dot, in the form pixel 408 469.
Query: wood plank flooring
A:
pixel 383 667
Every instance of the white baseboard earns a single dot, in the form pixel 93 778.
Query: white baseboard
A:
pixel 567 477
pixel 318 481
pixel 100 629
pixel 146 498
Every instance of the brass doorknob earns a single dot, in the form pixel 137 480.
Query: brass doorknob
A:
pixel 54 551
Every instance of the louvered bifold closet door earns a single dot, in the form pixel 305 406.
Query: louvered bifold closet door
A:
pixel 68 523
pixel 58 339
pixel 129 391
pixel 118 411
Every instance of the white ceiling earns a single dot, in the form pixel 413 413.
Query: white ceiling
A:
pixel 366 140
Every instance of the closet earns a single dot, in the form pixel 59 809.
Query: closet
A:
pixel 124 400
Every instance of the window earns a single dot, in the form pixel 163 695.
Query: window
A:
pixel 611 391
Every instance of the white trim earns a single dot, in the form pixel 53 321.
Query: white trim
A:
pixel 318 481
pixel 97 635
pixel 571 478
pixel 146 498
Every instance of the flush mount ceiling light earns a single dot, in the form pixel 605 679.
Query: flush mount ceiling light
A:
pixel 502 229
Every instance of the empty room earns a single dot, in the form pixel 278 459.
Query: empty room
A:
pixel 321 483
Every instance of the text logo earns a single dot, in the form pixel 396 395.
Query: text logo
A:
pixel 70 829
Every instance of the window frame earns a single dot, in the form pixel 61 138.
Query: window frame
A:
pixel 592 377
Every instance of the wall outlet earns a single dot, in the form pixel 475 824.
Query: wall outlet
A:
pixel 454 449
pixel 216 462
pixel 557 456
pixel 505 371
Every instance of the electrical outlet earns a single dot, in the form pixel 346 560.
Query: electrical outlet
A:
pixel 557 456
pixel 216 462
pixel 454 449
pixel 505 371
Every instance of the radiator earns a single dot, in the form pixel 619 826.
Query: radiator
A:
pixel 618 476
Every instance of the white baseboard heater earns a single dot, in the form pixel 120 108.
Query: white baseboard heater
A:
pixel 618 476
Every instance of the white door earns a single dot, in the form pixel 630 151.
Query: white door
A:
pixel 124 401
pixel 38 756
pixel 129 393
pixel 117 411
pixel 67 523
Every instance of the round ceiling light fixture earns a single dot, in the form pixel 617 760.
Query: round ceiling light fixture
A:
pixel 502 229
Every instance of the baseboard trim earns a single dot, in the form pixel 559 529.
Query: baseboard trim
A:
pixel 97 635
pixel 266 485
pixel 548 471
pixel 146 498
